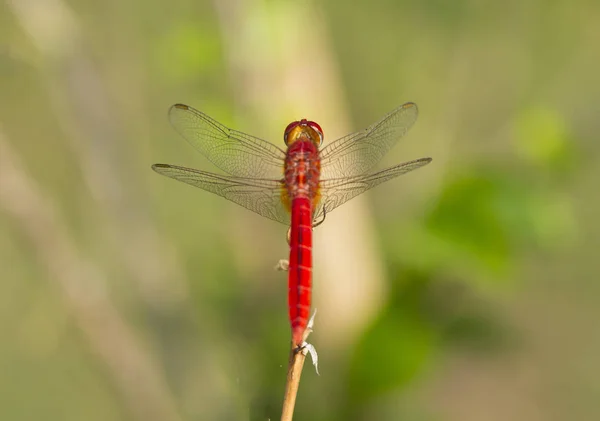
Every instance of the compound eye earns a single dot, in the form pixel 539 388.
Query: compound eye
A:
pixel 288 129
pixel 317 129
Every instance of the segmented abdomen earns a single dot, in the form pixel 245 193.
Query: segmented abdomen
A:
pixel 302 188
pixel 300 268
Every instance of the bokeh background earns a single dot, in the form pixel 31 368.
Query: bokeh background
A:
pixel 467 290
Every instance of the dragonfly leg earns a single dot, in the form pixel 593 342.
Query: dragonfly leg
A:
pixel 322 219
pixel 282 265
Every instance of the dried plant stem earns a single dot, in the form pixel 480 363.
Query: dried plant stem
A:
pixel 297 357
pixel 292 383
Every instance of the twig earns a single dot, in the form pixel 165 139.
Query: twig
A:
pixel 297 357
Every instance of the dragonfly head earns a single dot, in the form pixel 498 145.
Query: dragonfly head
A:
pixel 303 129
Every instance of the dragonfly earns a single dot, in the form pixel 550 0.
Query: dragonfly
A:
pixel 297 186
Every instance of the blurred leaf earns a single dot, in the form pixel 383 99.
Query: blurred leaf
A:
pixel 552 218
pixel 395 348
pixel 484 218
pixel 477 217
pixel 542 139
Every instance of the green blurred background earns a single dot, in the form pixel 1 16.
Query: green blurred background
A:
pixel 464 291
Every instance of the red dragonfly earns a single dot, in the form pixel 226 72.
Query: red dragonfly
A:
pixel 296 187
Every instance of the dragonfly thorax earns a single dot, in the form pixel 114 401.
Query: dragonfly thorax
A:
pixel 302 171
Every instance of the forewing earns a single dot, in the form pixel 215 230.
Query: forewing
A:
pixel 359 152
pixel 259 195
pixel 236 153
pixel 337 191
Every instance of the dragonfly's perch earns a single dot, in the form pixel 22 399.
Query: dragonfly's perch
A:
pixel 292 383
pixel 297 357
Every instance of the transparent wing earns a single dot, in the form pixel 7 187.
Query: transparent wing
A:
pixel 357 153
pixel 236 153
pixel 337 191
pixel 259 195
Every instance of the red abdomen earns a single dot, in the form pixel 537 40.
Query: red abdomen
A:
pixel 300 268
pixel 302 171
